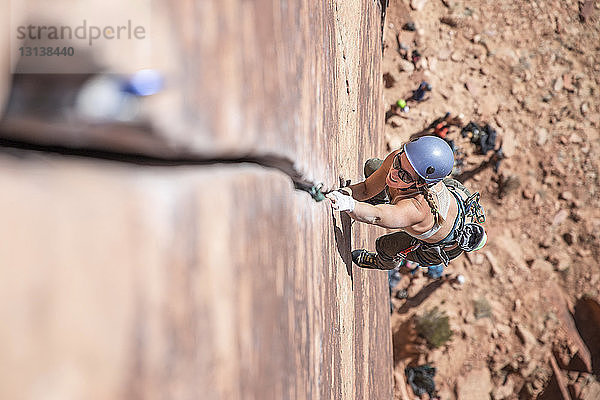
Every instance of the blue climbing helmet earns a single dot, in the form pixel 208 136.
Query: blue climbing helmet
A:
pixel 431 157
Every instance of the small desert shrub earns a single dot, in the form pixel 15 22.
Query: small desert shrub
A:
pixel 434 327
pixel 482 308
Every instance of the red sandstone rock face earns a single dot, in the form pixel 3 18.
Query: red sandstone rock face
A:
pixel 138 280
pixel 203 281
pixel 507 59
pixel 299 80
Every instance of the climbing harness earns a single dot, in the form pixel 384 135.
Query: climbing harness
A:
pixel 473 209
pixel 467 235
pixel 471 234
pixel 414 246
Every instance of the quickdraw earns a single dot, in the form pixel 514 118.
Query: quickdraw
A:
pixel 315 191
pixel 473 209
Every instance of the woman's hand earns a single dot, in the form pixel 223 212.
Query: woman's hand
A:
pixel 341 201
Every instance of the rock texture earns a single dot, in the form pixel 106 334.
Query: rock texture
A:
pixel 191 278
pixel 529 71
pixel 243 79
pixel 154 282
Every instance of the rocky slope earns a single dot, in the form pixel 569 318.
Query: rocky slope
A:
pixel 522 320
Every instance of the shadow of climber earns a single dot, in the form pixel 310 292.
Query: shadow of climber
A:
pixel 343 242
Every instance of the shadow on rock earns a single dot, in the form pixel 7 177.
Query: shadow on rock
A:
pixel 343 241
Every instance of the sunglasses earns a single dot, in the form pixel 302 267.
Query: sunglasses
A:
pixel 402 173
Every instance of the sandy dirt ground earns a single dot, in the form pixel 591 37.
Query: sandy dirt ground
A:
pixel 531 70
pixel 148 258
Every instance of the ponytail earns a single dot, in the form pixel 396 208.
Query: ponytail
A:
pixel 433 206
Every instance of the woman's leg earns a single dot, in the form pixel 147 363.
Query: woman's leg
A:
pixel 393 248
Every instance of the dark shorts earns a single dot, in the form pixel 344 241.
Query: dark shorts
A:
pixel 395 246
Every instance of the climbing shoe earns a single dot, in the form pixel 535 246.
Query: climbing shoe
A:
pixel 364 258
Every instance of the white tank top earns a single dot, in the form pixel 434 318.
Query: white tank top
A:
pixel 442 196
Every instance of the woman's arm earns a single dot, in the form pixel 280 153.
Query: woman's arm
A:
pixel 373 184
pixel 396 216
pixel 391 216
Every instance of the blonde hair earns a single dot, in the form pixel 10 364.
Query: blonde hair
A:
pixel 433 206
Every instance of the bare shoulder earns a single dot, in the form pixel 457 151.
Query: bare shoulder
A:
pixel 415 205
pixel 421 205
pixel 416 200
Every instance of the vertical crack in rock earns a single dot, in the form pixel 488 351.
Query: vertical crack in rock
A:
pixel 343 45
